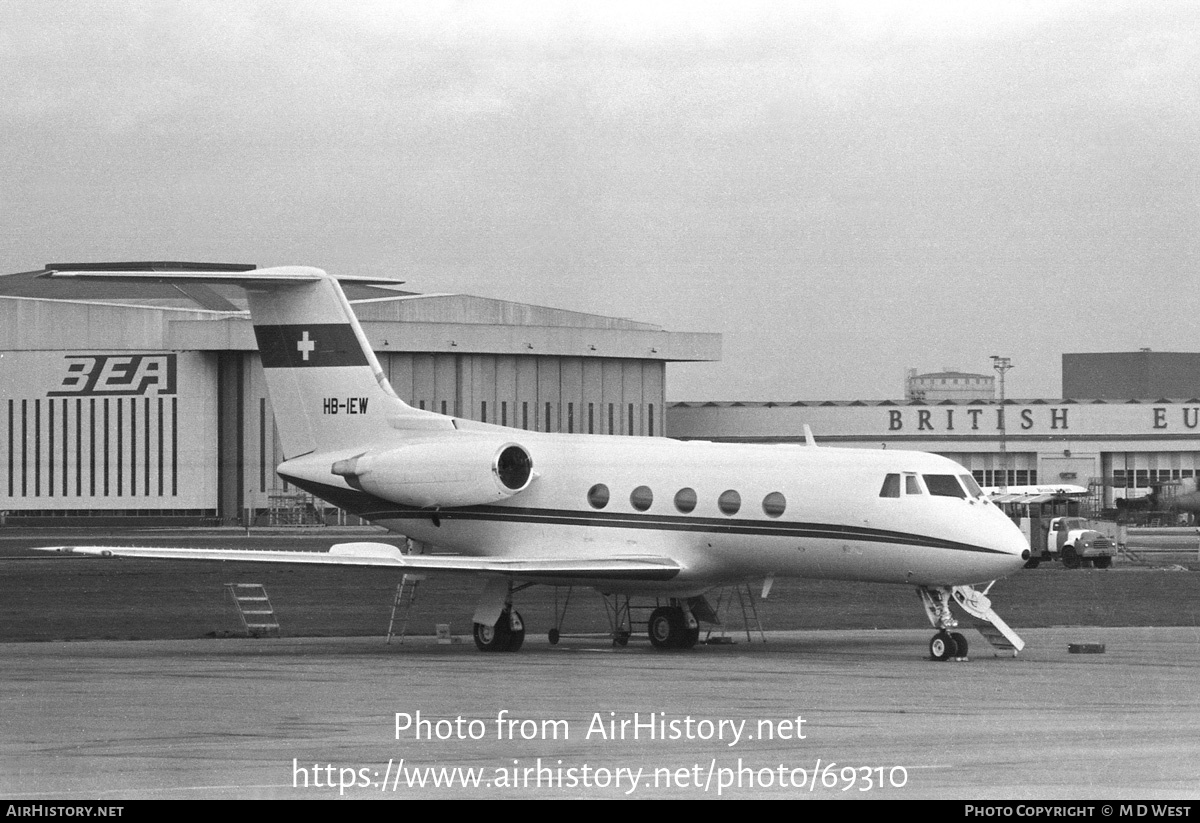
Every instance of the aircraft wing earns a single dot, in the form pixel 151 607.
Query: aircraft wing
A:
pixel 630 567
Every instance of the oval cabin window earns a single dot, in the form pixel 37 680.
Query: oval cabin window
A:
pixel 685 500
pixel 641 498
pixel 729 502
pixel 598 496
pixel 774 504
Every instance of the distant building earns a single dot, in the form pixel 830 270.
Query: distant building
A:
pixel 1120 447
pixel 1145 374
pixel 948 384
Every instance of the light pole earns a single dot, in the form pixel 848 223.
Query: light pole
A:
pixel 1002 365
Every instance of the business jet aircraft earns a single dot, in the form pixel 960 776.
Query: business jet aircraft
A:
pixel 626 515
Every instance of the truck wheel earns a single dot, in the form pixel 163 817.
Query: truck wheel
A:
pixel 1102 562
pixel 1070 557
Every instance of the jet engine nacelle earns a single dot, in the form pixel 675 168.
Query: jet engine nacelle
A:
pixel 442 474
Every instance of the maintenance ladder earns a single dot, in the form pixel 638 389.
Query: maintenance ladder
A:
pixel 406 595
pixel 254 608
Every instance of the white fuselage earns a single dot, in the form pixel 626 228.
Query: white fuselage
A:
pixel 834 522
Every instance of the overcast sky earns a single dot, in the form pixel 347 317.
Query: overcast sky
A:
pixel 843 190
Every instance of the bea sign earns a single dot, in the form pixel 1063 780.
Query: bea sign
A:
pixel 117 374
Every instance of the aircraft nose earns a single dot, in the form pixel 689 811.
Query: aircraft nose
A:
pixel 1012 542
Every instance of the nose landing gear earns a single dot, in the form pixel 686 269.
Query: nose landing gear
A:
pixel 947 644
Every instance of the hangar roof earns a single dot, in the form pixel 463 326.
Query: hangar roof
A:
pixel 35 310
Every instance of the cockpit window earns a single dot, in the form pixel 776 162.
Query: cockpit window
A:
pixel 891 486
pixel 911 486
pixel 972 487
pixel 944 485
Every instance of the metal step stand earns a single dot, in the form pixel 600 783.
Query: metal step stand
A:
pixel 620 617
pixel 750 619
pixel 254 608
pixel 406 594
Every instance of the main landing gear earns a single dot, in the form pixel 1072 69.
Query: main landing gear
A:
pixel 507 635
pixel 673 627
pixel 498 626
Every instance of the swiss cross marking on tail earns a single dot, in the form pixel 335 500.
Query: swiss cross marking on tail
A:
pixel 309 345
pixel 305 346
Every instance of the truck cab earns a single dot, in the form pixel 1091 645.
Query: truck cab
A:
pixel 1071 540
pixel 1057 530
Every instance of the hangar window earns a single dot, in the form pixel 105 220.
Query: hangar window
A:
pixel 944 485
pixel 729 502
pixel 774 504
pixel 891 486
pixel 685 500
pixel 641 498
pixel 598 496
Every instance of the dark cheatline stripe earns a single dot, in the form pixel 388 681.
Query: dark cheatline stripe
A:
pixel 373 508
pixel 312 345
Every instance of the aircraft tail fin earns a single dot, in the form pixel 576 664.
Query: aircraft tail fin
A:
pixel 326 386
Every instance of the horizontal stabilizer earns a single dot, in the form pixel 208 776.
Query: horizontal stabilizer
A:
pixel 252 278
pixel 382 554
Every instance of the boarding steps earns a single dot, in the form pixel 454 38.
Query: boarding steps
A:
pixel 254 608
pixel 406 595
pixel 994 630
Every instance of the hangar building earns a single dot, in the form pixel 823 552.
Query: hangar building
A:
pixel 1131 420
pixel 149 401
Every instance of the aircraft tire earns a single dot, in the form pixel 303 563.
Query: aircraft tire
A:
pixel 690 638
pixel 552 636
pixel 666 628
pixel 960 644
pixel 1032 563
pixel 942 646
pixel 516 631
pixel 494 638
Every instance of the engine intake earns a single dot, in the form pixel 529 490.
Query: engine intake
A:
pixel 441 474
